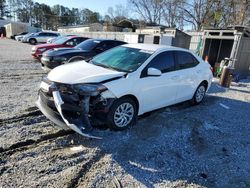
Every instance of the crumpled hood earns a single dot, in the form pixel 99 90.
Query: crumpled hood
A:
pixel 82 72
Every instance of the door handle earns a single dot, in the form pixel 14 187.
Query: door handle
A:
pixel 198 71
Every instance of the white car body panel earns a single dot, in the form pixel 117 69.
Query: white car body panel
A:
pixel 179 79
pixel 151 92
pixel 82 72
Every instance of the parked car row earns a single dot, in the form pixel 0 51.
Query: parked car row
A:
pixel 34 38
pixel 112 82
pixel 61 42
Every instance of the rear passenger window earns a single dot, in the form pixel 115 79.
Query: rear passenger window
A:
pixel 186 60
pixel 52 34
pixel 42 34
pixel 163 61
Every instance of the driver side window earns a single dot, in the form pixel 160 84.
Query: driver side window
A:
pixel 163 61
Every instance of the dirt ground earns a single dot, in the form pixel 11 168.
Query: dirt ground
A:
pixel 180 146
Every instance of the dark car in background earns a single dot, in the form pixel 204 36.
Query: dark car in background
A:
pixel 84 51
pixel 63 42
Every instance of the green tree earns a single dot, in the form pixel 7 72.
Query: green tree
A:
pixel 90 17
pixel 150 10
pixel 2 8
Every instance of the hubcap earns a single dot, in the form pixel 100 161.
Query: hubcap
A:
pixel 200 93
pixel 123 114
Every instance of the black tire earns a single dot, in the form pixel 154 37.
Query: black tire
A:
pixel 32 41
pixel 75 59
pixel 111 115
pixel 200 89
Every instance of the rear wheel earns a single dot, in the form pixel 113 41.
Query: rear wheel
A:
pixel 32 41
pixel 122 114
pixel 199 94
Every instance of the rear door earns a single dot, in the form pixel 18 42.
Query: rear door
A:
pixel 49 35
pixel 186 65
pixel 41 37
pixel 159 91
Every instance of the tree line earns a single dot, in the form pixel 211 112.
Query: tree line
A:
pixel 172 13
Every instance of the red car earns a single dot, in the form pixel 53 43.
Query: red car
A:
pixel 63 42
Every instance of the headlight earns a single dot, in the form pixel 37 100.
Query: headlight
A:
pixel 33 48
pixel 89 89
pixel 46 84
pixel 41 49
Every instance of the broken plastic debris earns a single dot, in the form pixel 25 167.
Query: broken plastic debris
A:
pixel 225 106
pixel 209 126
pixel 77 148
pixel 58 102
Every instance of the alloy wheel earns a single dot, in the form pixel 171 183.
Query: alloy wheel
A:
pixel 200 93
pixel 124 114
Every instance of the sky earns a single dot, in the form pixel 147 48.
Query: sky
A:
pixel 100 6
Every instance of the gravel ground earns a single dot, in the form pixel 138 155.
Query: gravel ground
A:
pixel 179 146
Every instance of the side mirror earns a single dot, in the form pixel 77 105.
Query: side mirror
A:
pixel 153 72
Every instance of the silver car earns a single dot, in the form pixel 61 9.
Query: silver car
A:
pixel 26 37
pixel 41 37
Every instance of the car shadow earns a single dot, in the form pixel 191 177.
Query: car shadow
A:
pixel 180 145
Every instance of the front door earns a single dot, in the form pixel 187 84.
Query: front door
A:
pixel 159 91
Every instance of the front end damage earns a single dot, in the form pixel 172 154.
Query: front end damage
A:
pixel 74 106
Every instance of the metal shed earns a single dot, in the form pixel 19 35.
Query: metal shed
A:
pixel 19 27
pixel 195 40
pixel 166 36
pixel 233 42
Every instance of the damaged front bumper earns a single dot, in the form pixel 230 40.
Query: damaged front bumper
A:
pixel 71 111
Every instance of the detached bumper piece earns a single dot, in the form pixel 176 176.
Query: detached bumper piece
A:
pixel 52 108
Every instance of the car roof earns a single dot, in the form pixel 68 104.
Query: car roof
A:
pixel 71 37
pixel 100 39
pixel 152 47
pixel 49 32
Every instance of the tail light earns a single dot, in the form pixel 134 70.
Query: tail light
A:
pixel 212 69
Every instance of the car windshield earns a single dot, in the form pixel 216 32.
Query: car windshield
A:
pixel 122 58
pixel 61 40
pixel 88 45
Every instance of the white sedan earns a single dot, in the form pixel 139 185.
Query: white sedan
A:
pixel 122 83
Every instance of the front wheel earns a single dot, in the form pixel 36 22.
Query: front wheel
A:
pixel 199 94
pixel 122 114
